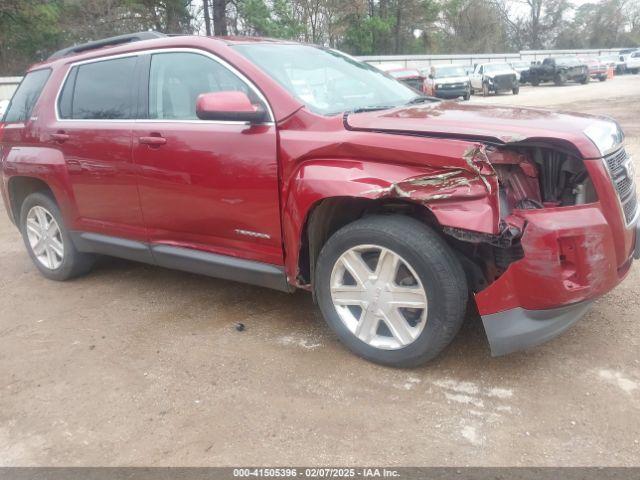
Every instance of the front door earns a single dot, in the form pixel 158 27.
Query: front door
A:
pixel 95 115
pixel 476 78
pixel 207 185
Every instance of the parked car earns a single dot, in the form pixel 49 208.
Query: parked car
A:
pixel 559 70
pixel 632 62
pixel 447 81
pixel 597 69
pixel 614 61
pixel 624 56
pixel 258 161
pixel 409 76
pixel 3 107
pixel 494 77
pixel 522 69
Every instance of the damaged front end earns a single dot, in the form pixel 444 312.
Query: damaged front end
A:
pixel 528 229
pixel 553 252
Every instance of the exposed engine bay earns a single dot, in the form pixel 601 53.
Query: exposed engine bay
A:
pixel 528 178
pixel 537 177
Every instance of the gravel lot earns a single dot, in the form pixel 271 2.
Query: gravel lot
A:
pixel 136 365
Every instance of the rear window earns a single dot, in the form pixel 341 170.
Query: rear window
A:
pixel 99 91
pixel 26 96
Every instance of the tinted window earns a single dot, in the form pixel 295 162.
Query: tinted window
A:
pixel 26 96
pixel 176 80
pixel 103 90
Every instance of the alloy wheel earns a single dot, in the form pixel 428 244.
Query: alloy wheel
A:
pixel 45 237
pixel 379 297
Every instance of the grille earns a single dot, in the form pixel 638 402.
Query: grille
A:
pixel 621 175
pixel 504 81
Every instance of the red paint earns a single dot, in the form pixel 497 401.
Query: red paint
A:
pixel 195 184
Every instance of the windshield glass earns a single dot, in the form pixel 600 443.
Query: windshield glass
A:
pixel 496 67
pixel 452 71
pixel 404 73
pixel 567 62
pixel 328 82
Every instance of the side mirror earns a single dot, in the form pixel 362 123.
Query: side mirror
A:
pixel 229 106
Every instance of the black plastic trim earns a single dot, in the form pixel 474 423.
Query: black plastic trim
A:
pixel 186 259
pixel 106 42
pixel 113 246
pixel 519 328
pixel 221 266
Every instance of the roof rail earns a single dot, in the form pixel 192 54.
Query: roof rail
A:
pixel 106 42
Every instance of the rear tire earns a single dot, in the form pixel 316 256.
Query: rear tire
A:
pixel 47 239
pixel 585 80
pixel 602 78
pixel 515 90
pixel 375 325
pixel 535 81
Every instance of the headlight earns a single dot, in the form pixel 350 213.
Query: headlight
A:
pixel 605 135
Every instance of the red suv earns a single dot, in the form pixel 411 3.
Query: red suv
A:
pixel 294 166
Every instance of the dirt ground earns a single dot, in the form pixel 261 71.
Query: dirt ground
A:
pixel 136 365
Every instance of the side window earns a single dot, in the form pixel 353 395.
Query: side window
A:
pixel 177 78
pixel 480 70
pixel 100 90
pixel 26 96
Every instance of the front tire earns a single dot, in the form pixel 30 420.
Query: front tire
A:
pixel 485 89
pixel 515 90
pixel 585 80
pixel 47 239
pixel 391 289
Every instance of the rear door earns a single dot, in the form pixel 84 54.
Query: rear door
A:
pixel 92 128
pixel 208 185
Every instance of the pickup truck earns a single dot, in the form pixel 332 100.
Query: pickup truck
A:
pixel 559 71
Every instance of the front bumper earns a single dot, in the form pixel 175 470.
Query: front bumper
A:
pixel 518 328
pixel 452 92
pixel 569 260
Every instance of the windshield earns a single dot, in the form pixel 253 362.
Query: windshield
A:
pixel 328 82
pixel 567 62
pixel 453 71
pixel 404 73
pixel 496 67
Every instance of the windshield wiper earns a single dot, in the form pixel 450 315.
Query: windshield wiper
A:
pixel 373 108
pixel 421 99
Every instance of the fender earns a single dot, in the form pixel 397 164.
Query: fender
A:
pixel 461 193
pixel 47 165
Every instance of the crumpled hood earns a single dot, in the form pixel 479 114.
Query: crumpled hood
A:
pixel 450 80
pixel 489 123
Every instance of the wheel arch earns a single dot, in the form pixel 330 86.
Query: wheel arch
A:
pixel 20 187
pixel 324 196
pixel 330 214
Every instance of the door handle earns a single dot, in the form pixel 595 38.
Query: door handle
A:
pixel 152 141
pixel 59 137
